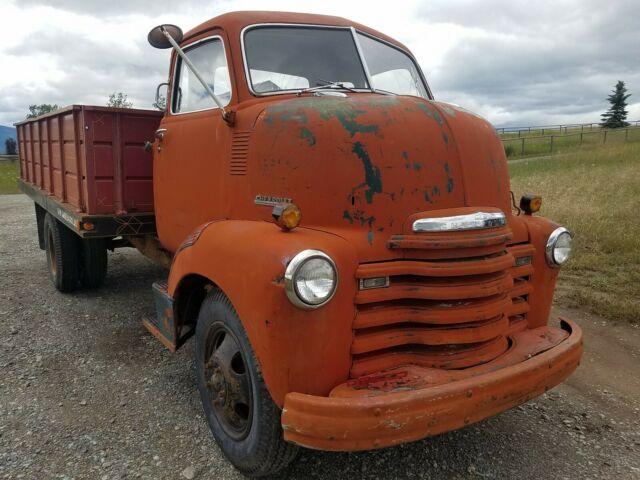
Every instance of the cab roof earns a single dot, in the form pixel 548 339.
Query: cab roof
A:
pixel 234 22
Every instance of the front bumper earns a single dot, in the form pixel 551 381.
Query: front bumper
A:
pixel 410 403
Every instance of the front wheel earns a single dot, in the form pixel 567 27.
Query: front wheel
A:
pixel 242 416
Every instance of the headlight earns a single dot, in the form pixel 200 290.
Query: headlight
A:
pixel 559 247
pixel 311 279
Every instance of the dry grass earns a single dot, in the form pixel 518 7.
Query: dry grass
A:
pixel 596 194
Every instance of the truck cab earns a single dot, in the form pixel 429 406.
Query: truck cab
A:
pixel 345 249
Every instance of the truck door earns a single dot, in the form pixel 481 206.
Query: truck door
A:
pixel 192 143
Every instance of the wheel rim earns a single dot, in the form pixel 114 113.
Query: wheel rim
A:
pixel 51 254
pixel 228 383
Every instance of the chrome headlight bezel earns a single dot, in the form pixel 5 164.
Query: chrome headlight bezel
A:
pixel 551 246
pixel 292 270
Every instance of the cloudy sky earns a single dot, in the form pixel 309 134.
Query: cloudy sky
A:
pixel 515 62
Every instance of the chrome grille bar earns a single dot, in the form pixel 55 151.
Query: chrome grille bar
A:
pixel 472 221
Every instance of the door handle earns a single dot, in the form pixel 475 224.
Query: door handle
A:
pixel 160 133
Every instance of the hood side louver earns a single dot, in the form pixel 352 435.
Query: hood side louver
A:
pixel 239 152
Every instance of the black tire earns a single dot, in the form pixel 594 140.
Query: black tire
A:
pixel 62 248
pixel 40 214
pixel 255 446
pixel 93 265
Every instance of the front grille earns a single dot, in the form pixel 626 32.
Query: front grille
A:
pixel 521 287
pixel 444 310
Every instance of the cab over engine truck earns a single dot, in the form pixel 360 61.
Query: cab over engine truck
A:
pixel 345 249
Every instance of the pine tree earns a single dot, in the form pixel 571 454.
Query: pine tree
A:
pixel 616 116
pixel 10 146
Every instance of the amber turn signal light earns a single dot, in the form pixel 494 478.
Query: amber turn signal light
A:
pixel 287 216
pixel 530 203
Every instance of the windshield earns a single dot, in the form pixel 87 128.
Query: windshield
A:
pixel 293 58
pixel 391 69
pixel 284 58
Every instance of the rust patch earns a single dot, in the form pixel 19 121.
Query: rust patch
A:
pixel 347 216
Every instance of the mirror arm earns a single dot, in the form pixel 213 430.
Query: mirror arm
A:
pixel 227 116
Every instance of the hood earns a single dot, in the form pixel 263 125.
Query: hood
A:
pixel 361 165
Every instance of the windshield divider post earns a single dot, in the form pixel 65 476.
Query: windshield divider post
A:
pixel 367 73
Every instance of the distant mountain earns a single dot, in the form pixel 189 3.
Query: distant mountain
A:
pixel 6 132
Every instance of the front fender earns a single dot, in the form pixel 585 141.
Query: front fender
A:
pixel 544 277
pixel 305 351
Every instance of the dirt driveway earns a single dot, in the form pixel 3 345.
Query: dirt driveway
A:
pixel 86 392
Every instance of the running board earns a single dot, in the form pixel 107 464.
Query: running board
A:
pixel 163 326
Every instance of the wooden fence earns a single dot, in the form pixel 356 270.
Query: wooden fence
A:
pixel 548 144
pixel 518 131
pixel 8 158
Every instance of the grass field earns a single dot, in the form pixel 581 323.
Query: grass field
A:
pixel 9 172
pixel 596 194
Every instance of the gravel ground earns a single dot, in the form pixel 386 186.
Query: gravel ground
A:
pixel 86 392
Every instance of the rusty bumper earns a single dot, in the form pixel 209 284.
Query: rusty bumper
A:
pixel 412 403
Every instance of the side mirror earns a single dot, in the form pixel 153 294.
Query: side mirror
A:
pixel 158 39
pixel 161 100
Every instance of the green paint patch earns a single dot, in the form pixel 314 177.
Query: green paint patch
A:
pixel 347 118
pixel 346 111
pixel 306 134
pixel 370 236
pixel 407 163
pixel 449 178
pixel 430 112
pixel 417 166
pixel 360 217
pixel 274 114
pixel 372 178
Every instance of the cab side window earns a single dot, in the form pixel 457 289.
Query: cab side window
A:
pixel 189 95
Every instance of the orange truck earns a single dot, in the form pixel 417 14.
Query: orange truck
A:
pixel 345 250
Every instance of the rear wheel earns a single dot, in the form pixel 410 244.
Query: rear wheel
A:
pixel 241 414
pixel 93 265
pixel 63 258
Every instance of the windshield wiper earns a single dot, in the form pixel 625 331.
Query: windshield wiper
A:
pixel 327 84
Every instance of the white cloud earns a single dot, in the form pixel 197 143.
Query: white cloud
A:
pixel 509 61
